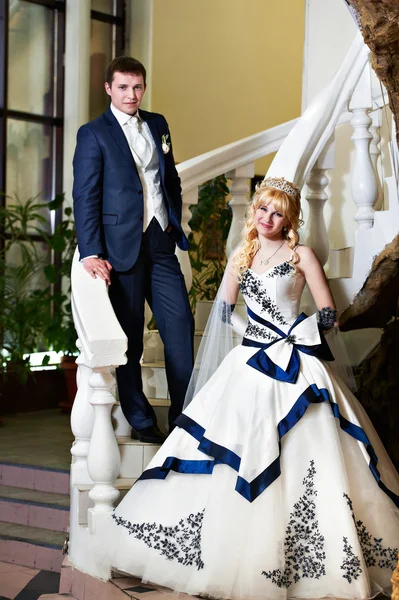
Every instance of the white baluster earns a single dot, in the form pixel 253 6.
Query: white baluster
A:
pixel 103 459
pixel 316 230
pixel 375 152
pixel 189 198
pixel 82 419
pixel 239 189
pixel 364 181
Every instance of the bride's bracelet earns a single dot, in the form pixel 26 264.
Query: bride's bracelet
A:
pixel 225 311
pixel 327 317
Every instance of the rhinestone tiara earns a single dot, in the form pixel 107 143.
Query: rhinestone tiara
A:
pixel 282 184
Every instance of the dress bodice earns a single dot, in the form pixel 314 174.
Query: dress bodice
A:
pixel 274 296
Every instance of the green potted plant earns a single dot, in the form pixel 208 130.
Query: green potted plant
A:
pixel 25 302
pixel 210 225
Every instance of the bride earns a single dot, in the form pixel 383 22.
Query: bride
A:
pixel 274 483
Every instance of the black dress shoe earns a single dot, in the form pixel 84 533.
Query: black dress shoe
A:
pixel 150 435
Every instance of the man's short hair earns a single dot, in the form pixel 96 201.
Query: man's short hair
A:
pixel 125 64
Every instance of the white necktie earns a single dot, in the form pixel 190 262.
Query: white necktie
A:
pixel 138 143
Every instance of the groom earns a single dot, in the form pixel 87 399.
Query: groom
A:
pixel 128 205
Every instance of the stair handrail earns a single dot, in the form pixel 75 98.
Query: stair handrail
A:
pixel 103 340
pixel 306 141
pixel 195 171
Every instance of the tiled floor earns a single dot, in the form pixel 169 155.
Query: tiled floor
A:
pixel 21 583
pixel 42 438
pixel 137 591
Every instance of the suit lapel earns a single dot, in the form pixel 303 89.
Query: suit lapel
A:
pixel 116 131
pixel 151 122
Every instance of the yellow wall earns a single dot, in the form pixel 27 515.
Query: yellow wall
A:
pixel 224 69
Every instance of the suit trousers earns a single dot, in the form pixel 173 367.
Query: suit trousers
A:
pixel 156 277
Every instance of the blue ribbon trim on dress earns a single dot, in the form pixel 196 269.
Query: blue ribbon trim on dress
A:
pixel 263 363
pixel 221 455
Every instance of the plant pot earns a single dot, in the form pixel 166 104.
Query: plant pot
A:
pixel 69 367
pixel 42 390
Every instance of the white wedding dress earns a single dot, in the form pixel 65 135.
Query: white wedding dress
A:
pixel 274 484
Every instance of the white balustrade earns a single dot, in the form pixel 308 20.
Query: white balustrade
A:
pixel 364 180
pixel 316 231
pixel 239 189
pixel 189 198
pixel 375 153
pixel 103 345
pixel 103 460
pixel 82 419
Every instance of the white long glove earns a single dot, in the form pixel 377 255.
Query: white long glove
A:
pixel 238 324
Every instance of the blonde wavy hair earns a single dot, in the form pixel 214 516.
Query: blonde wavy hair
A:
pixel 290 207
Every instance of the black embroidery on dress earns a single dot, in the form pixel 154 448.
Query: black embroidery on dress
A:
pixel 260 333
pixel 303 544
pixel 250 286
pixel 375 555
pixel 181 542
pixel 285 268
pixel 351 563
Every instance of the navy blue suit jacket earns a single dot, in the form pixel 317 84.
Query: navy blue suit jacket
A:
pixel 107 191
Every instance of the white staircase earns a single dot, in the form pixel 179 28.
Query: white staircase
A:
pixel 105 461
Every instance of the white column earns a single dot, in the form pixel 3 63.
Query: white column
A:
pixel 82 419
pixel 364 181
pixel 239 189
pixel 77 81
pixel 103 460
pixel 139 39
pixel 316 231
pixel 189 198
pixel 375 152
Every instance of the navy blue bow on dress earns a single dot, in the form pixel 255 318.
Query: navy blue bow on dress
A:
pixel 280 358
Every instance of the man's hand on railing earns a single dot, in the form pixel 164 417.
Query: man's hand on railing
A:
pixel 98 267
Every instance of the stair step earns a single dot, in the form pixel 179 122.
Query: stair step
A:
pixel 153 401
pixel 56 597
pixel 33 477
pixel 81 586
pixel 121 484
pixel 31 546
pixel 156 402
pixel 34 508
pixel 34 497
pixel 135 457
pixel 33 535
pixel 159 364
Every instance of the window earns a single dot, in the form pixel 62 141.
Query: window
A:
pixel 31 126
pixel 31 97
pixel 107 41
